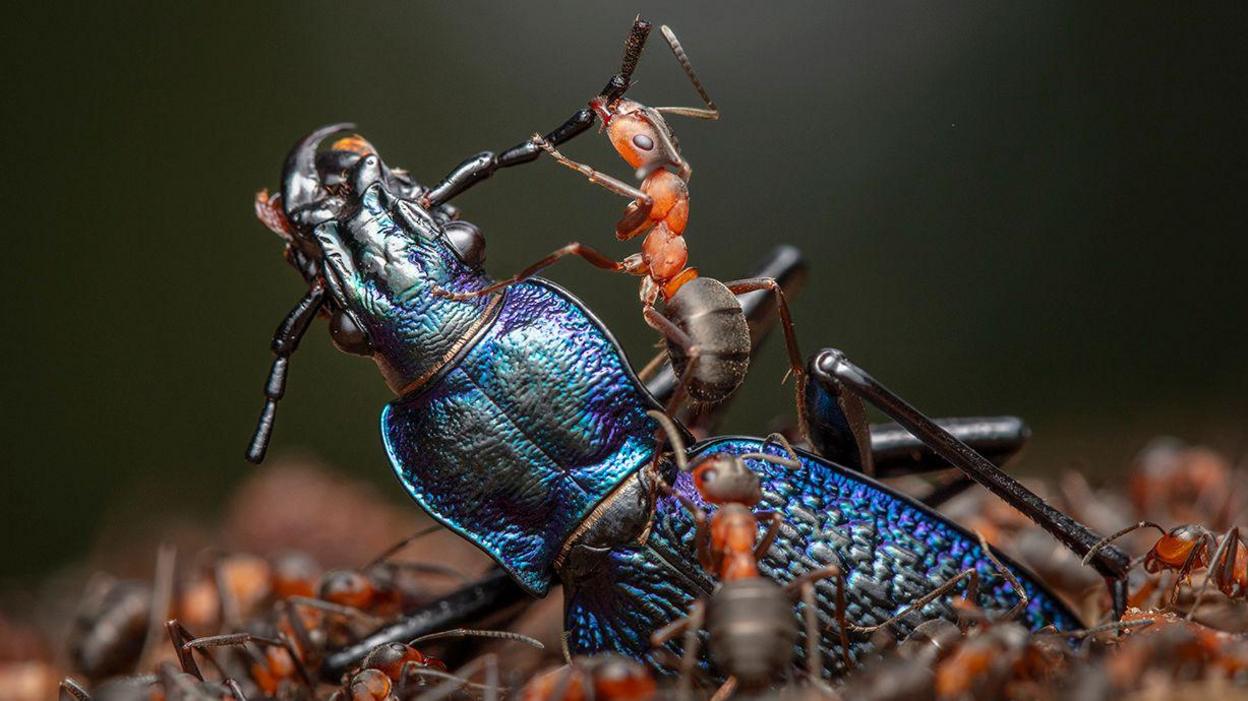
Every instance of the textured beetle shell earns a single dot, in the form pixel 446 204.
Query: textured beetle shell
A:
pixel 711 316
pixel 517 443
pixel 894 549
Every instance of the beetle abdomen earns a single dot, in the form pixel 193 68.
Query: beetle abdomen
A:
pixel 712 318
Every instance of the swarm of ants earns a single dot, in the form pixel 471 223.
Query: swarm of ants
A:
pixel 254 615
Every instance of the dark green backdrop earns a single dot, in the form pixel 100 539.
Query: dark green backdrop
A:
pixel 1023 207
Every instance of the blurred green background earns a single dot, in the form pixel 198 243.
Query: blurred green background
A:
pixel 1007 207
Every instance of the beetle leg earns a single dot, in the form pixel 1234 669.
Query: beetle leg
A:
pixel 832 370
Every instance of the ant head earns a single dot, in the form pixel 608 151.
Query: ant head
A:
pixel 346 588
pixel 1174 549
pixel 389 658
pixel 639 134
pixel 725 479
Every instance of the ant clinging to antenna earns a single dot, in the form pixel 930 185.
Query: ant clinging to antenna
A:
pixel 708 340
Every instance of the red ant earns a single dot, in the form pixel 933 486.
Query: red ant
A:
pixel 708 339
pixel 604 677
pixel 749 617
pixel 1184 549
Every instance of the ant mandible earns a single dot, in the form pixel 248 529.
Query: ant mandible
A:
pixel 708 339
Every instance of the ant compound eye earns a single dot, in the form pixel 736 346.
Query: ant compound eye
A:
pixel 643 142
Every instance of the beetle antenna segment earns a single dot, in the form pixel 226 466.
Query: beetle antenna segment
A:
pixel 285 341
pixel 633 47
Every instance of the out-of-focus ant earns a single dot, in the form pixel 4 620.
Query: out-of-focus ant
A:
pixel 749 617
pixel 1187 548
pixel 604 677
pixel 708 339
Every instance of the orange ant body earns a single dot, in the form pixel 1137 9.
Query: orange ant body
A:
pixel 605 677
pixel 708 338
pixel 1187 548
pixel 749 617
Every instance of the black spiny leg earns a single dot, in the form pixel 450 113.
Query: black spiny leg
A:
pixel 896 452
pixel 481 166
pixel 833 371
pixel 285 341
pixel 496 591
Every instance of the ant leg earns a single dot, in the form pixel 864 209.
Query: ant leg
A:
pixel 596 177
pixel 235 690
pixel 711 111
pixel 459 679
pixel 330 607
pixel 1221 567
pixel 690 625
pixel 71 689
pixel 738 287
pixel 673 333
pixel 481 166
pixel 726 690
pixel 808 579
pixel 285 341
pixel 594 258
pixel 394 549
pixel 179 636
pixel 702 538
pixel 832 369
pixel 162 600
pixel 773 530
pixel 944 588
pixel 233 639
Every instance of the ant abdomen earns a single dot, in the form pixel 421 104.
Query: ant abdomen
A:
pixel 751 628
pixel 711 316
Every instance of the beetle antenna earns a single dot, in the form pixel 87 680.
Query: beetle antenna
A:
pixel 633 47
pixel 285 341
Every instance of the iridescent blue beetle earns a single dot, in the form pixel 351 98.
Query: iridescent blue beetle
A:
pixel 520 425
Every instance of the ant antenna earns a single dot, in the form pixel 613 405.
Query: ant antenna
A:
pixel 394 549
pixel 673 437
pixel 1115 536
pixel 711 111
pixel 474 633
